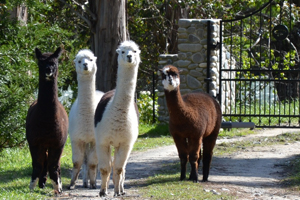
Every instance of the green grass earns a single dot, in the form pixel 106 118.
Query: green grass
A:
pixel 152 136
pixel 293 180
pixel 228 148
pixel 247 110
pixel 236 132
pixel 15 168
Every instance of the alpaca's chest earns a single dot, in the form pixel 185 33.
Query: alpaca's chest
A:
pixel 118 125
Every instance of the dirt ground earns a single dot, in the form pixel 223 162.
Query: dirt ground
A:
pixel 254 173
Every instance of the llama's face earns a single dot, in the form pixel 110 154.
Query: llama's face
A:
pixel 48 64
pixel 85 62
pixel 129 54
pixel 170 78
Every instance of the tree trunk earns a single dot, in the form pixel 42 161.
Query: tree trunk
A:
pixel 19 13
pixel 107 32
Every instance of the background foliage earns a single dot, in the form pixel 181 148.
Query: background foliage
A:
pixel 152 24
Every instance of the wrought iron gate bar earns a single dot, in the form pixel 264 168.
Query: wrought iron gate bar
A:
pixel 260 115
pixel 250 14
pixel 258 80
pixel 261 70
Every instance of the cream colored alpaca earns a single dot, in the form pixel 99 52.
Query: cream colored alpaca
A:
pixel 116 120
pixel 81 119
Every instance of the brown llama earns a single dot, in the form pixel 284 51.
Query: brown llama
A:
pixel 195 118
pixel 47 124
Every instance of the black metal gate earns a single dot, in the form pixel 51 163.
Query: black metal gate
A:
pixel 259 67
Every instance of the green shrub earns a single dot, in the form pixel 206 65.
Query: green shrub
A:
pixel 19 71
pixel 145 106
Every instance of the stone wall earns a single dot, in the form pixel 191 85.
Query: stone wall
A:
pixel 192 61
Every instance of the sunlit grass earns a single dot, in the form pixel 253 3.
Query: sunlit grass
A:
pixel 236 132
pixel 152 136
pixel 227 148
pixel 293 180
pixel 284 113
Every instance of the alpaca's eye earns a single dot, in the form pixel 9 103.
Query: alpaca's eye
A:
pixel 79 61
pixel 91 59
pixel 123 51
pixel 134 51
pixel 173 74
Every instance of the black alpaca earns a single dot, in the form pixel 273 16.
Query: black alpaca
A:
pixel 46 124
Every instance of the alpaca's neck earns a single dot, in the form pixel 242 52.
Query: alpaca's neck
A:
pixel 86 90
pixel 125 88
pixel 48 93
pixel 176 105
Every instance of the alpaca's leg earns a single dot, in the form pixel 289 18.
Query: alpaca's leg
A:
pixel 199 160
pixel 92 162
pixel 44 174
pixel 104 166
pixel 84 173
pixel 208 146
pixel 121 156
pixel 38 156
pixel 77 158
pixel 182 148
pixel 194 149
pixel 54 155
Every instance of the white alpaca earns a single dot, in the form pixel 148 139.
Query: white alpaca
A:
pixel 116 120
pixel 81 117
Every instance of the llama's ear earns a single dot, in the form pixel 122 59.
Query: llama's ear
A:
pixel 159 72
pixel 38 53
pixel 58 52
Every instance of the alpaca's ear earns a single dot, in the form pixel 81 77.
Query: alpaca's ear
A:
pixel 38 53
pixel 159 72
pixel 58 52
pixel 95 58
pixel 118 51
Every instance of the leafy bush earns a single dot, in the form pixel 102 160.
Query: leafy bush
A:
pixel 145 106
pixel 19 71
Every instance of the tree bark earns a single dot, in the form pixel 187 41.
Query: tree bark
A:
pixel 107 32
pixel 20 13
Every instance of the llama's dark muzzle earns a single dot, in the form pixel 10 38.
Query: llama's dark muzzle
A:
pixel 129 58
pixel 85 66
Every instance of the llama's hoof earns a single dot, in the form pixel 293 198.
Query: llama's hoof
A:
pixel 204 180
pixel 117 194
pixel 85 185
pixel 57 192
pixel 92 186
pixel 102 194
pixel 71 187
pixel 195 180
